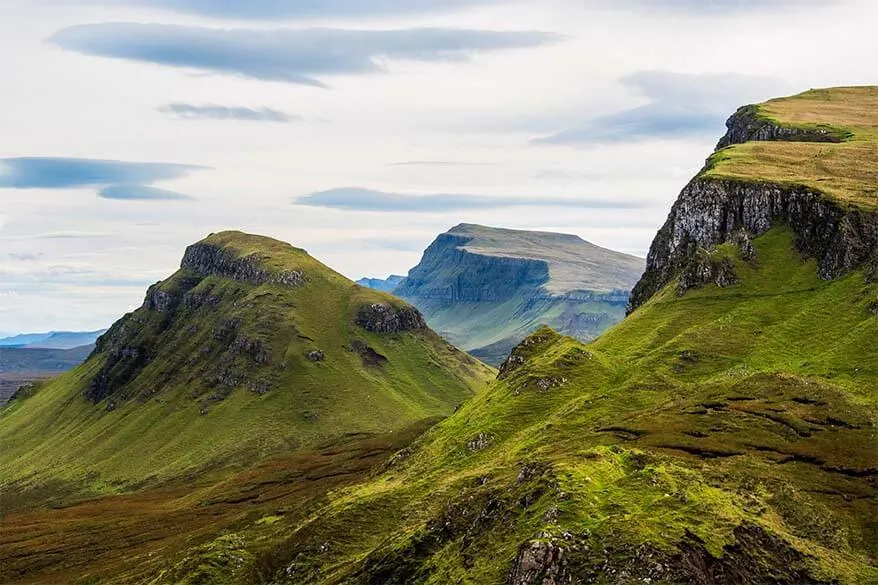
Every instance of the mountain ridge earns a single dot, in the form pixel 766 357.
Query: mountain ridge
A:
pixel 486 288
pixel 248 329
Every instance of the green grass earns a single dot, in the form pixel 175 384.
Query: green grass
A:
pixel 749 405
pixel 173 419
pixel 846 171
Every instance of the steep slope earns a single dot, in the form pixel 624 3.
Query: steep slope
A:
pixel 252 348
pixel 486 288
pixel 723 434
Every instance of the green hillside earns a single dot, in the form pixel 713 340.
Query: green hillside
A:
pixel 724 433
pixel 731 428
pixel 252 348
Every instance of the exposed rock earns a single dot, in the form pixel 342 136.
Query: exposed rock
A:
pixel 539 563
pixel 479 442
pixel 160 300
pixel 211 260
pixel 198 300
pixel 745 245
pixel 256 349
pixel 710 212
pixel 520 353
pixel 388 318
pixel 747 124
pixel 316 355
pixel 702 269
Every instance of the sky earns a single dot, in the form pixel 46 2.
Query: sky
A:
pixel 360 129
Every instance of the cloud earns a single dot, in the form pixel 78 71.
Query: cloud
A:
pixel 440 163
pixel 286 55
pixel 140 192
pixel 360 199
pixel 715 6
pixel 114 179
pixel 215 112
pixel 680 106
pixel 270 9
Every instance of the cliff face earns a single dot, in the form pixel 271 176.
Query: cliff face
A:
pixel 485 289
pixel 747 125
pixel 450 274
pixel 207 259
pixel 712 211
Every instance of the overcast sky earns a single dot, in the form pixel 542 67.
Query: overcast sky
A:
pixel 360 129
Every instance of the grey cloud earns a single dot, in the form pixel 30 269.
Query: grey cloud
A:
pixel 680 106
pixel 216 112
pixel 359 199
pixel 265 9
pixel 286 55
pixel 115 179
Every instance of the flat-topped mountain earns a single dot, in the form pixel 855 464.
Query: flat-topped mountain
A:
pixel 486 288
pixel 252 347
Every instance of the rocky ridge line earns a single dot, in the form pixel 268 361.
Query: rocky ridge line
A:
pixel 711 211
pixel 211 260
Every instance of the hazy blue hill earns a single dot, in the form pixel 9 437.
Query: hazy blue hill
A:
pixel 486 288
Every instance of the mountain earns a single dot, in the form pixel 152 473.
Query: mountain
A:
pixel 724 433
pixel 252 348
pixel 385 284
pixel 486 288
pixel 52 339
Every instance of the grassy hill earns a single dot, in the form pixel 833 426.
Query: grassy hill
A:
pixel 724 433
pixel 831 145
pixel 252 348
pixel 486 288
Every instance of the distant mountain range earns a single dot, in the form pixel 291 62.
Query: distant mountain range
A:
pixel 52 339
pixel 487 288
pixel 385 284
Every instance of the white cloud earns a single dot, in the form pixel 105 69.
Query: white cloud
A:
pixel 64 104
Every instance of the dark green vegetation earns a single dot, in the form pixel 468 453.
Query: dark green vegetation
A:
pixel 252 348
pixel 485 289
pixel 724 433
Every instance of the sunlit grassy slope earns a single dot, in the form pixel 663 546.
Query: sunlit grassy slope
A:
pixel 846 171
pixel 752 406
pixel 177 417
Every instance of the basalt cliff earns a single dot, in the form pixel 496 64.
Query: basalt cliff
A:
pixel 485 289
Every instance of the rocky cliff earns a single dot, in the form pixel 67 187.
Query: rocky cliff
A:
pixel 712 210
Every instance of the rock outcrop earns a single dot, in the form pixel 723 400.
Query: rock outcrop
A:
pixel 210 260
pixel 710 212
pixel 389 318
pixel 747 124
